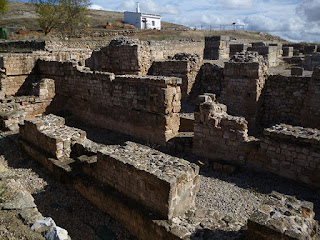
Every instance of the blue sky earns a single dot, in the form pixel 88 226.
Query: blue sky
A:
pixel 296 20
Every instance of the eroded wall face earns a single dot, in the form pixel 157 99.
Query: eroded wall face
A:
pixel 146 107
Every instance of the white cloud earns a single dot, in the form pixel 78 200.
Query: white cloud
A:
pixel 309 10
pixel 149 6
pixel 236 4
pixel 96 7
pixel 289 19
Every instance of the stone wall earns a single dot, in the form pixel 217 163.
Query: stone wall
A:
pixel 244 78
pixel 16 69
pixel 146 107
pixel 217 48
pixel 184 66
pixel 162 50
pixel 270 53
pixel 166 185
pixel 218 135
pixel 237 48
pixel 291 152
pixel 14 110
pixel 312 61
pixel 22 46
pixel 287 52
pixel 210 79
pixel 49 134
pixel 288 151
pixel 122 56
pixel 284 98
pixel 310 114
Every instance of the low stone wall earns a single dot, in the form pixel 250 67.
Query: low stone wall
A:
pixel 146 107
pixel 219 136
pixel 288 151
pixel 283 217
pixel 238 48
pixel 291 152
pixel 50 135
pixel 22 46
pixel 166 185
pixel 183 66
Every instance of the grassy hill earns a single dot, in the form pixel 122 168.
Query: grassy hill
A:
pixel 22 15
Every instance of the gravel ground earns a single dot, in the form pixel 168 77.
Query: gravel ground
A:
pixel 223 204
pixel 68 209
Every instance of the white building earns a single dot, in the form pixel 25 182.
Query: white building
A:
pixel 143 20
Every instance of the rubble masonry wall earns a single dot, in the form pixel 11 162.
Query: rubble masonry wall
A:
pixel 146 107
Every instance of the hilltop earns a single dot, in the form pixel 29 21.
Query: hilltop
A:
pixel 22 15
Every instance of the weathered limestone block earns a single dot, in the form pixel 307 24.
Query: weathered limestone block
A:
pixel 283 217
pixel 164 184
pixel 51 135
pixel 217 48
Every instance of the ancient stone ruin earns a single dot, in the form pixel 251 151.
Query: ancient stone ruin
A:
pixel 226 104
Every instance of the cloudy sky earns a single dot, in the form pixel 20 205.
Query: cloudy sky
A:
pixel 297 20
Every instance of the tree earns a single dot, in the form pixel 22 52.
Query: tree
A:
pixel 3 6
pixel 64 15
pixel 75 15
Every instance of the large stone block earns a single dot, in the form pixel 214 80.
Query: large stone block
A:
pixel 165 185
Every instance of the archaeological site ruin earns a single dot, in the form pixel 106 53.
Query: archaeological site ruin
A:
pixel 137 127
